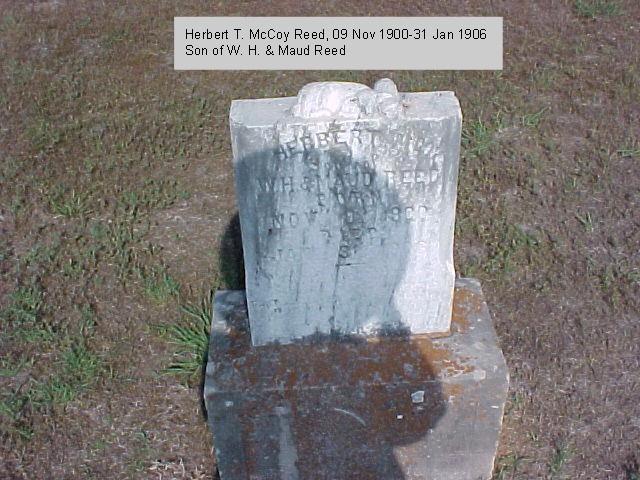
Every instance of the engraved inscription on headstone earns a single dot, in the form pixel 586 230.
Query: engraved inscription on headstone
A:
pixel 347 200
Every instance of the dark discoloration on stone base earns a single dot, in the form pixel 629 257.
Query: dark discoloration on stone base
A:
pixel 343 408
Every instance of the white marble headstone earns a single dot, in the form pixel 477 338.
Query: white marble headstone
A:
pixel 347 200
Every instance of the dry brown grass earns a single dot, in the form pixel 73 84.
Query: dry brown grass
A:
pixel 116 172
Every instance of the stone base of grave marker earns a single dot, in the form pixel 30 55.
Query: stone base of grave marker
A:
pixel 415 407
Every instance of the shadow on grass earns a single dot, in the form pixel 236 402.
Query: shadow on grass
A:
pixel 231 260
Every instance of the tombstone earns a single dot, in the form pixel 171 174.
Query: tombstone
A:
pixel 354 352
pixel 340 186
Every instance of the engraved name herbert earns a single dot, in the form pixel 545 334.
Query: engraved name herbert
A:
pixel 367 174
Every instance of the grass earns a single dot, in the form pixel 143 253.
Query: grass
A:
pixel 24 314
pixel 506 245
pixel 544 77
pixel 88 324
pixel 597 8
pixel 515 403
pixel 617 279
pixel 25 304
pixel 159 285
pixel 42 255
pixel 532 120
pixel 632 470
pixel 507 466
pixel 76 372
pixel 80 366
pixel 69 205
pixel 13 421
pixel 10 368
pixel 190 335
pixel 73 374
pixel 586 221
pixel 571 184
pixel 123 245
pixel 561 456
pixel 51 366
pixel 629 152
pixel 152 194
pixel 477 138
pixel 43 135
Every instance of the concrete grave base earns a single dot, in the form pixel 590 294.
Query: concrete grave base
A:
pixel 400 407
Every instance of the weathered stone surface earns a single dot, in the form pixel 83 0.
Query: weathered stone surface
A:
pixel 413 407
pixel 347 199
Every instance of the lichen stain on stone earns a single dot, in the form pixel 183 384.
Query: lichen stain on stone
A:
pixel 328 361
pixel 465 304
pixel 452 390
